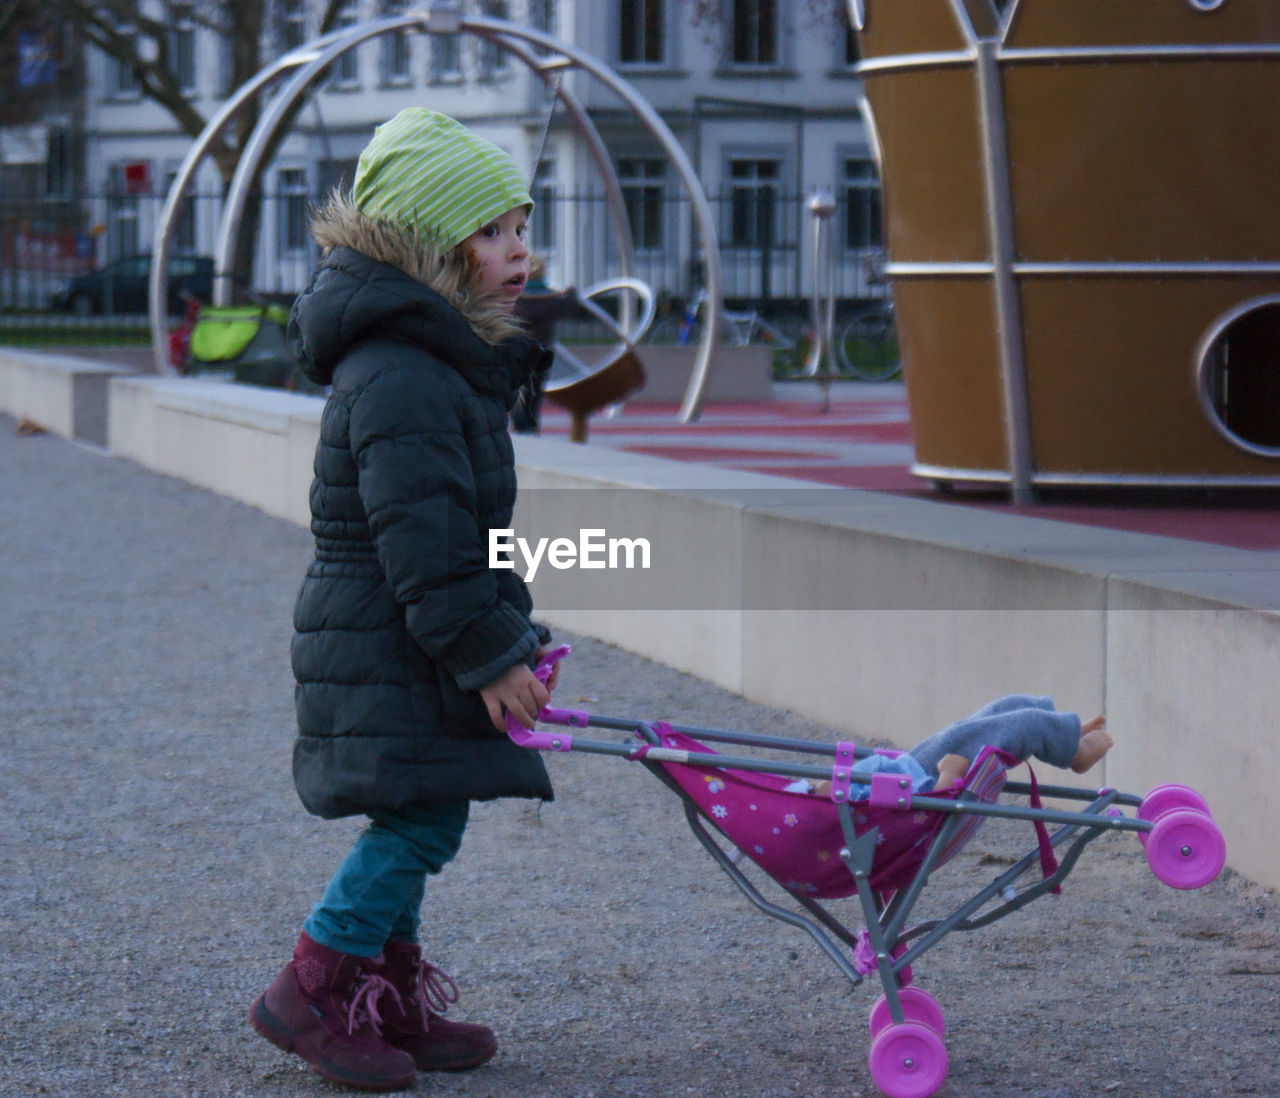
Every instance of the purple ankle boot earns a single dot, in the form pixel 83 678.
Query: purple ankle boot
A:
pixel 324 1006
pixel 414 1022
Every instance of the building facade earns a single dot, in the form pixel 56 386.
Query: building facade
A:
pixel 761 94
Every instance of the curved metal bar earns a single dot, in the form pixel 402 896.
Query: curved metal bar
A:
pixel 498 31
pixel 659 130
pixel 1049 479
pixel 631 331
pixel 1216 51
pixel 615 203
pixel 1060 55
pixel 177 192
pixel 249 164
pixel 1117 268
pixel 251 158
pixel 902 62
pixel 628 333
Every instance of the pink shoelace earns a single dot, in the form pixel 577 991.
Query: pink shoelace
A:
pixel 363 1008
pixel 434 992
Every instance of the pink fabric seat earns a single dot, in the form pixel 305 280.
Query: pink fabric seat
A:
pixel 796 837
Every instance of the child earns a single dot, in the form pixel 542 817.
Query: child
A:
pixel 408 647
pixel 1019 724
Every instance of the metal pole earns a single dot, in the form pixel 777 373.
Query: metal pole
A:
pixel 1013 372
pixel 256 147
pixel 821 206
pixel 445 20
pixel 177 192
pixel 599 154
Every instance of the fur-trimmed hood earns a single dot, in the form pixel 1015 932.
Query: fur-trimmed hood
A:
pixel 380 280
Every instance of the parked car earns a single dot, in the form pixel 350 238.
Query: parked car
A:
pixel 122 286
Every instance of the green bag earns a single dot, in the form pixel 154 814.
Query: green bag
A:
pixel 222 332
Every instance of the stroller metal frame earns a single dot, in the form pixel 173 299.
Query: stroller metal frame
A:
pixel 908 1058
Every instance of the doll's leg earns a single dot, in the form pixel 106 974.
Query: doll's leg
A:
pixel 1023 733
pixel 1011 702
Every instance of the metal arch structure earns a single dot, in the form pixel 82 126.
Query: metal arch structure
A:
pixel 186 173
pixel 308 62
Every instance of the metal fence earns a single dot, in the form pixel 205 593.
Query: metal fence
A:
pixel 48 248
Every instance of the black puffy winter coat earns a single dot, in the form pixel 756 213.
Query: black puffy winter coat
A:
pixel 400 620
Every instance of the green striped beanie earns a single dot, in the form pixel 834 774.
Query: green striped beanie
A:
pixel 429 173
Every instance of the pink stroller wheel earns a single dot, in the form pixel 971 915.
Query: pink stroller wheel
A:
pixel 1166 798
pixel 917 1006
pixel 1185 849
pixel 908 1061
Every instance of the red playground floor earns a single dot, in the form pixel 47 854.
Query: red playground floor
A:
pixel 865 442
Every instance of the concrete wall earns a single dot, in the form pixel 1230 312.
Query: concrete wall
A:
pixel 884 616
pixel 64 395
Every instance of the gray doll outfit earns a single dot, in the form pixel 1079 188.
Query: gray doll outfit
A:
pixel 1023 725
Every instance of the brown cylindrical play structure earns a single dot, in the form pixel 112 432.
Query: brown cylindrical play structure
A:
pixel 1082 218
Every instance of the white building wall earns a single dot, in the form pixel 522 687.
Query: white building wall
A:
pixel 800 112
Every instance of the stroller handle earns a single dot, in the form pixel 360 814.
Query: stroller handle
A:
pixel 547 741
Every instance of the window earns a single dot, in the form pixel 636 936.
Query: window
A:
pixel 292 27
pixel 122 81
pixel 122 216
pixel 346 71
pixel 226 64
pixel 491 60
pixel 642 192
pixel 640 32
pixel 753 202
pixel 395 48
pixel 862 217
pixel 336 173
pixel 184 230
pixel 59 163
pixel 180 41
pixel 542 16
pixel 543 192
pixel 446 57
pixel 293 209
pixel 754 32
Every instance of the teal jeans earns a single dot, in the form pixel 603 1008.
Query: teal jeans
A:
pixel 377 891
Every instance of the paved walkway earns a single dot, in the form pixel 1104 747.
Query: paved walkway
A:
pixel 155 864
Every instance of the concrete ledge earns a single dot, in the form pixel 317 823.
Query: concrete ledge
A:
pixel 891 617
pixel 881 615
pixel 65 395
pixel 256 445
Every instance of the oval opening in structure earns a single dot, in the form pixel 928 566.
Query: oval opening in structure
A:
pixel 1240 377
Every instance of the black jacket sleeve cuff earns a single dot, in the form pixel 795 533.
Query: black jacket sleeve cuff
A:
pixel 489 646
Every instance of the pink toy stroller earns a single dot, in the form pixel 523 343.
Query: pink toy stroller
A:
pixel 874 838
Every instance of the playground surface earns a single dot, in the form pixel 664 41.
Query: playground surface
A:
pixel 157 864
pixel 863 440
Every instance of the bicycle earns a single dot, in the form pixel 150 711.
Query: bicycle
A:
pixel 741 328
pixel 867 347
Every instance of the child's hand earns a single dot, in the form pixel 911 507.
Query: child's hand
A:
pixel 518 691
pixel 554 677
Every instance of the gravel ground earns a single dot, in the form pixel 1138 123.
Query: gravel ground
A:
pixel 156 864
